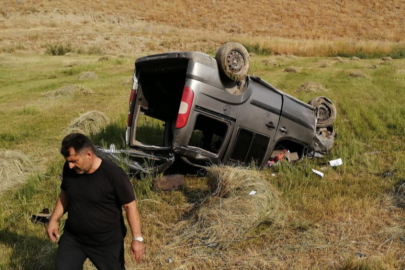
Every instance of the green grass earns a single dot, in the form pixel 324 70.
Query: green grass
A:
pixel 328 219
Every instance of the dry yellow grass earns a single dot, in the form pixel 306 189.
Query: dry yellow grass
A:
pixel 14 169
pixel 137 27
pixel 89 123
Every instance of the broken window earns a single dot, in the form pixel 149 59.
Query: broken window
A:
pixel 208 134
pixel 150 130
pixel 249 147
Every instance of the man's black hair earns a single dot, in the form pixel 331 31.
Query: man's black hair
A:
pixel 78 141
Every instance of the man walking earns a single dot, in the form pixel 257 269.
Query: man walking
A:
pixel 93 192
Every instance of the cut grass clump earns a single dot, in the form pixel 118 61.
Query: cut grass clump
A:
pixel 87 76
pixel 69 90
pixel 58 49
pixel 311 87
pixel 14 167
pixel 240 200
pixel 89 123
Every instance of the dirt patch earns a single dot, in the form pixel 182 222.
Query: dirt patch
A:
pixel 89 123
pixel 311 87
pixel 354 58
pixel 87 76
pixel 69 90
pixel 14 169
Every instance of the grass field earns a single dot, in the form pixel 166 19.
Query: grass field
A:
pixel 353 209
pixel 58 62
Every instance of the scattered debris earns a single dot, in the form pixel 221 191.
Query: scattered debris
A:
pixel 388 173
pixel 278 155
pixel 336 162
pixel 43 217
pixel 253 192
pixel 321 174
pixel 169 182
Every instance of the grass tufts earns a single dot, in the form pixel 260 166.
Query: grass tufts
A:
pixel 87 76
pixel 89 123
pixel 231 210
pixel 257 49
pixel 311 87
pixel 58 49
pixel 69 90
pixel 14 167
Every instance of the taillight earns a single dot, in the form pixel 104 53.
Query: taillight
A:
pixel 131 97
pixel 185 107
pixel 128 118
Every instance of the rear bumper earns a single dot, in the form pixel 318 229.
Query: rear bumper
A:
pixel 148 162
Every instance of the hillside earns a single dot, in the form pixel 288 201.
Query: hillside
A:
pixel 61 61
pixel 152 25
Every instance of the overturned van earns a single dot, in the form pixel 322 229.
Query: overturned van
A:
pixel 205 110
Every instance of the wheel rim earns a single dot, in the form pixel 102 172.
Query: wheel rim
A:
pixel 324 113
pixel 235 61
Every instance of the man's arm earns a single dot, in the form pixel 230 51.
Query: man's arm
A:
pixel 134 221
pixel 60 209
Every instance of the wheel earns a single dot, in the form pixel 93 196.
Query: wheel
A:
pixel 233 61
pixel 325 111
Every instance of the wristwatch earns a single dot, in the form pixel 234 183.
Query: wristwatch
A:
pixel 138 238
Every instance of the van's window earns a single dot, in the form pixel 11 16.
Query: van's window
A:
pixel 208 134
pixel 150 131
pixel 249 147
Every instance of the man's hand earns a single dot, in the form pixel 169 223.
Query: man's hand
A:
pixel 137 249
pixel 53 230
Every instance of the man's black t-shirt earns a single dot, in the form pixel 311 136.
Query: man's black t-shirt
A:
pixel 95 204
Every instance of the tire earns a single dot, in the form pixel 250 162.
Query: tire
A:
pixel 325 111
pixel 233 61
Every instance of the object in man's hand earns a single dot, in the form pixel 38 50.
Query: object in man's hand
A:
pixel 43 217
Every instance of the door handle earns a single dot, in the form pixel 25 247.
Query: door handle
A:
pixel 283 130
pixel 270 125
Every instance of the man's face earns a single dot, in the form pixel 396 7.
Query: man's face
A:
pixel 80 162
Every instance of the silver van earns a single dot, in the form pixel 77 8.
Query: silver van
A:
pixel 210 111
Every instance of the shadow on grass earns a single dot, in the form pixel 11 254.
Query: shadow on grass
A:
pixel 28 252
